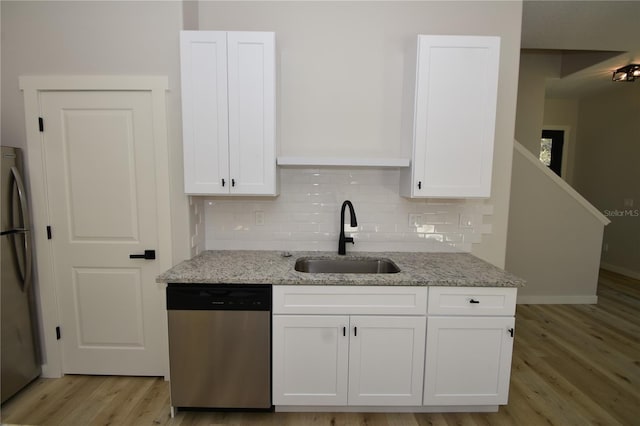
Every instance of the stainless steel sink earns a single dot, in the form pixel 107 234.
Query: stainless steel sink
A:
pixel 367 265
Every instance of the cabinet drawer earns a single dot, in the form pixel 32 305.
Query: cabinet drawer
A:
pixel 349 300
pixel 472 301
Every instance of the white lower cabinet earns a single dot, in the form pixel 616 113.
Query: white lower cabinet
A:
pixel 385 360
pixel 310 360
pixel 347 360
pixel 348 346
pixel 469 344
pixel 468 360
pixel 357 346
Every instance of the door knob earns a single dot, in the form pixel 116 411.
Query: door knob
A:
pixel 148 255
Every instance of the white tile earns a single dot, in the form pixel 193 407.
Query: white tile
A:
pixel 453 238
pixel 487 209
pixel 306 215
pixel 426 229
pixel 446 228
pixel 471 238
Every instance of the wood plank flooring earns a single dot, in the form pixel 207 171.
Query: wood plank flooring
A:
pixel 572 365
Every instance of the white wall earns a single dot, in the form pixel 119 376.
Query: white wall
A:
pixel 535 69
pixel 40 38
pixel 340 69
pixel 580 25
pixel 607 169
pixel 306 216
pixel 602 153
pixel 340 76
pixel 562 114
pixel 554 236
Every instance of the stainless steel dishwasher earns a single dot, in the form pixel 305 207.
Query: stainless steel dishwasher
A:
pixel 220 346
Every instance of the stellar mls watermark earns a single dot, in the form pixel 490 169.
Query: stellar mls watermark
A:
pixel 622 213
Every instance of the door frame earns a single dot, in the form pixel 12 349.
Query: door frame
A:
pixel 46 288
pixel 565 150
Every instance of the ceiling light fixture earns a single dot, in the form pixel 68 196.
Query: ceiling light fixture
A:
pixel 628 73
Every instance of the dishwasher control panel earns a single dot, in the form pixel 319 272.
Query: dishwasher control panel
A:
pixel 239 297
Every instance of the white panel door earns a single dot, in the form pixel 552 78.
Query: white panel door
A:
pixel 310 359
pixel 386 359
pixel 100 166
pixel 252 149
pixel 456 93
pixel 468 360
pixel 203 58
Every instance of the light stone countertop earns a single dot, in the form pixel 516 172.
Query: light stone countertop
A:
pixel 270 267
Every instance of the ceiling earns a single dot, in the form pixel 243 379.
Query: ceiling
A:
pixel 592 38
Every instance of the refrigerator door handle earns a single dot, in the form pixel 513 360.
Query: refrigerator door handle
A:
pixel 28 261
pixel 24 214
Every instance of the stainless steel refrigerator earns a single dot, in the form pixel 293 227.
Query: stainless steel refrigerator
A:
pixel 19 344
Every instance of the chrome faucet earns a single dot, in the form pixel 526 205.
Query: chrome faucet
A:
pixel 343 240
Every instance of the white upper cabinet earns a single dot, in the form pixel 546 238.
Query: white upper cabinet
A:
pixel 453 106
pixel 205 111
pixel 228 112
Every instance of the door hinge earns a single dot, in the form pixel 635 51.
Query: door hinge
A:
pixel 58 333
pixel 41 124
pixel 49 232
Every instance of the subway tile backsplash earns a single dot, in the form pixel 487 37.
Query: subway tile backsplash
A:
pixel 306 215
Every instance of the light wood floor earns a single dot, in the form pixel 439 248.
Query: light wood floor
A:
pixel 572 365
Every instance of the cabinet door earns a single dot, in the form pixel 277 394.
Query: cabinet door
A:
pixel 252 154
pixel 310 359
pixel 468 360
pixel 386 360
pixel 203 60
pixel 455 112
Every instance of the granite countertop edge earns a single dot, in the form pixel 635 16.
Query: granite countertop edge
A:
pixel 271 267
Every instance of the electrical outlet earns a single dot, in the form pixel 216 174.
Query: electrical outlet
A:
pixel 415 219
pixel 628 202
pixel 259 218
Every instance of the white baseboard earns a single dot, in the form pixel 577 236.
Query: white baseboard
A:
pixel 557 300
pixel 620 270
pixel 380 409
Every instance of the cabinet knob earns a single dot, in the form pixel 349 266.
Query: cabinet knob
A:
pixel 233 182
pixel 510 331
pixel 419 184
pixel 223 182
